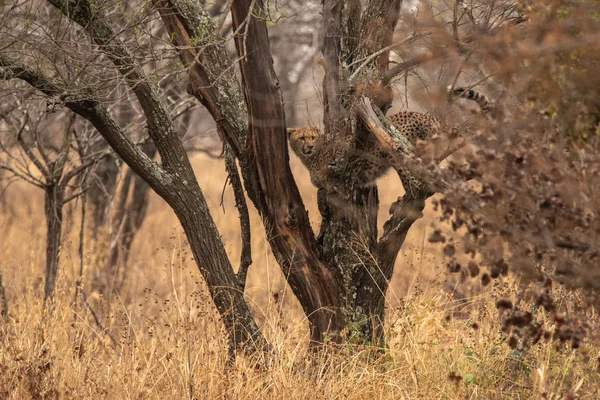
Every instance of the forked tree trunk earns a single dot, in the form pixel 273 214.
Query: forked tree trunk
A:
pixel 258 139
pixel 349 230
pixel 341 281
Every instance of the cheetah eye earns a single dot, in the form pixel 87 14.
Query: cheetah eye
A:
pixel 302 139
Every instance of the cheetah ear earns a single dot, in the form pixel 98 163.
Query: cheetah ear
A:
pixel 290 131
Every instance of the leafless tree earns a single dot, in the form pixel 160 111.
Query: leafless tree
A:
pixel 54 171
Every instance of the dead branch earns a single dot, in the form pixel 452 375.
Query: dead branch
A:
pixel 242 207
pixel 405 66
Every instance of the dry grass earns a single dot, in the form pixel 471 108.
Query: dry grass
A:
pixel 170 344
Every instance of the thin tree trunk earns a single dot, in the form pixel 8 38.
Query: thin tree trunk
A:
pixel 103 184
pixel 53 210
pixel 3 299
pixel 136 214
pixel 129 217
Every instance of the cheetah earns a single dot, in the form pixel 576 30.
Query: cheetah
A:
pixel 324 160
pixel 336 164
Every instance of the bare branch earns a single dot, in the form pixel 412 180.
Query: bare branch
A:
pixel 24 176
pixel 242 207
pixel 160 125
pixel 212 79
pixel 27 149
pixel 405 66
pixel 404 213
pixel 399 147
pixel 97 114
pixel 392 46
pixel 394 148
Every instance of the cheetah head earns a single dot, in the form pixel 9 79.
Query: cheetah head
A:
pixel 303 140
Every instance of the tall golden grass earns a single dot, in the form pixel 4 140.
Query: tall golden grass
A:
pixel 444 336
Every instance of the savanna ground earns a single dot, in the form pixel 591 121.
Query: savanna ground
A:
pixel 444 337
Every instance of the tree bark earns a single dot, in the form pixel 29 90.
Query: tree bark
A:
pixel 281 206
pixel 102 188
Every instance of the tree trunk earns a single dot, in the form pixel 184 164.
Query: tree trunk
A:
pixel 53 210
pixel 103 184
pixel 327 277
pixel 265 165
pixel 209 253
pixel 129 217
pixel 349 227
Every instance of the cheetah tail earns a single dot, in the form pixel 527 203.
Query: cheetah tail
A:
pixel 484 103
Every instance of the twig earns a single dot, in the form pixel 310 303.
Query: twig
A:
pixel 28 151
pixel 405 66
pixel 208 152
pixel 380 52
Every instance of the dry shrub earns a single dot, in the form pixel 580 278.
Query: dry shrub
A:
pixel 521 196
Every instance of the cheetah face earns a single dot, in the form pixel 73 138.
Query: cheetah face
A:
pixel 303 140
